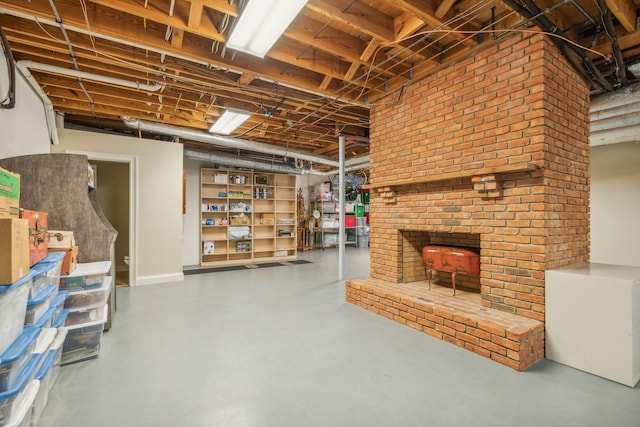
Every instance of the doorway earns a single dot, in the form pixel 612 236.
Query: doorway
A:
pixel 112 188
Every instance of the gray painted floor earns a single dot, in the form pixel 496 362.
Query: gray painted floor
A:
pixel 279 347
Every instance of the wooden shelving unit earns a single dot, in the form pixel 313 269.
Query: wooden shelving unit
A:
pixel 246 217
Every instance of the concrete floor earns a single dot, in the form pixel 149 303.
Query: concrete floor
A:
pixel 279 347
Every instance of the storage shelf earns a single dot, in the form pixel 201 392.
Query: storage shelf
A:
pixel 280 203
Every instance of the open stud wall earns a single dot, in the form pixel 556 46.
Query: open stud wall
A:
pixel 246 216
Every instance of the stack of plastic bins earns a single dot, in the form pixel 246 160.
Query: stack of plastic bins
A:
pixel 18 365
pixel 88 311
pixel 13 307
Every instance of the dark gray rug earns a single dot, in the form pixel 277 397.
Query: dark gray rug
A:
pixel 243 267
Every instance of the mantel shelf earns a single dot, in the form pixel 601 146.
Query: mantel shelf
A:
pixel 512 168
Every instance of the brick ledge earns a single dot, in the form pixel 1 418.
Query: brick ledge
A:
pixel 509 339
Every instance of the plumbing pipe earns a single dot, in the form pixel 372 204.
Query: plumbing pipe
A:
pixel 49 114
pixel 224 141
pixel 242 163
pixel 90 76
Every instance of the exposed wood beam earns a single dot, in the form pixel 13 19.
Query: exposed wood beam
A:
pixel 366 20
pixel 195 14
pixel 625 11
pixel 204 27
pixel 443 8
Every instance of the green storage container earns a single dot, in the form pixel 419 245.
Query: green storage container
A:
pixel 360 211
pixel 364 196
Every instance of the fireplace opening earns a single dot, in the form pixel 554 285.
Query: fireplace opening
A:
pixel 413 266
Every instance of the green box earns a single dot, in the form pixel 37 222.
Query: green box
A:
pixel 359 211
pixel 365 196
pixel 9 194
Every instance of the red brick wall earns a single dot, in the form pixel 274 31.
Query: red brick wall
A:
pixel 518 101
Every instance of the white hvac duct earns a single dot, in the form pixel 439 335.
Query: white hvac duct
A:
pixel 224 141
pixel 242 163
pixel 615 116
pixel 49 114
pixel 88 76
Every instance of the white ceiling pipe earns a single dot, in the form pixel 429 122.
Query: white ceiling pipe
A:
pixel 615 136
pixel 242 163
pixel 49 114
pixel 224 141
pixel 89 76
pixel 612 112
pixel 616 122
pixel 627 95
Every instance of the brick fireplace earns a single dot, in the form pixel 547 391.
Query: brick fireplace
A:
pixel 492 154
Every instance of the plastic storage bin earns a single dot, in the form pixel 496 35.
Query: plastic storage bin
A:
pixel 85 276
pixel 56 347
pixel 13 306
pixel 83 298
pixel 44 341
pixel 37 306
pixel 59 321
pixel 42 273
pixel 10 399
pixel 22 415
pixel 16 356
pixel 55 308
pixel 87 314
pixel 83 340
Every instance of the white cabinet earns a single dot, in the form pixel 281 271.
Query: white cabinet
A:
pixel 593 319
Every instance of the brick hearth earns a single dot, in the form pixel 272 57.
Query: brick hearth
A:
pixel 512 340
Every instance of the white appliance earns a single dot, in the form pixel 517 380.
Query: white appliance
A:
pixel 593 319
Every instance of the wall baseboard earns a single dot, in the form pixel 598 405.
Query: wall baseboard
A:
pixel 162 278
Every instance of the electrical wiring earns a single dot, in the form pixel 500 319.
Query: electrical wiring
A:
pixel 320 107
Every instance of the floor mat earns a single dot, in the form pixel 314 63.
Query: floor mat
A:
pixel 299 261
pixel 242 267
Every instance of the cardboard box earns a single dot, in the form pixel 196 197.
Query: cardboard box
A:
pixel 70 261
pixel 14 247
pixel 267 219
pixel 38 234
pixel 9 194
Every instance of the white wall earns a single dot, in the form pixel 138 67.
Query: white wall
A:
pixel 615 204
pixel 158 256
pixel 24 128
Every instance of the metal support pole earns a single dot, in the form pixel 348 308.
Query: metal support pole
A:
pixel 341 235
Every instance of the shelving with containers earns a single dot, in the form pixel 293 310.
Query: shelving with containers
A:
pixel 246 216
pixel 326 212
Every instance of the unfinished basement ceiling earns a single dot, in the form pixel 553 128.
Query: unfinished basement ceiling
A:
pixel 336 59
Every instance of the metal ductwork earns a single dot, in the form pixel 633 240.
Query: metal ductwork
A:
pixel 24 64
pixel 227 160
pixel 615 116
pixel 224 141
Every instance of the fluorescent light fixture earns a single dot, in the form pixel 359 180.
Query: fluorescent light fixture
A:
pixel 261 23
pixel 229 121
